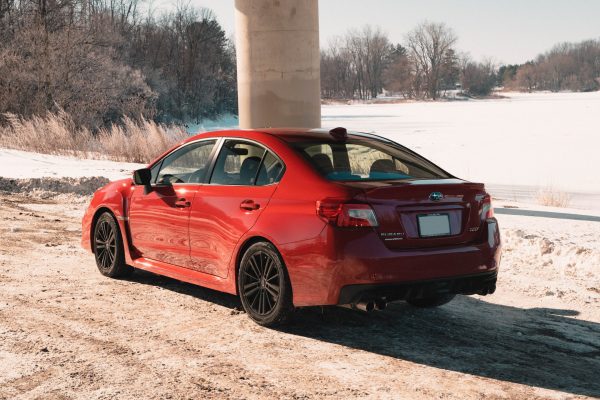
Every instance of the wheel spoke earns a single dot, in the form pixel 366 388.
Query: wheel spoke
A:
pixel 111 237
pixel 102 257
pixel 102 231
pixel 252 277
pixel 268 300
pixel 111 256
pixel 268 268
pixel 254 267
pixel 263 302
pixel 250 292
pixel 273 291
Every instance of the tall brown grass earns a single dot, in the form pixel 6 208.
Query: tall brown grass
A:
pixel 56 133
pixel 553 198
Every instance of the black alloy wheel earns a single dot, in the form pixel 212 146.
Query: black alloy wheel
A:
pixel 264 285
pixel 108 247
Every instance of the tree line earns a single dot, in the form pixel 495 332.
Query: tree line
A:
pixel 364 63
pixel 103 60
pixel 567 66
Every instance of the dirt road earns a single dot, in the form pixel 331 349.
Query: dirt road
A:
pixel 67 332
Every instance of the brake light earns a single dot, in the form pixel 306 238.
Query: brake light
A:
pixel 487 210
pixel 346 215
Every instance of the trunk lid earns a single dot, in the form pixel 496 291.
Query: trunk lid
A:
pixel 403 209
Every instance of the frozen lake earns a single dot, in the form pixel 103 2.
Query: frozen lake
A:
pixel 543 140
pixel 534 140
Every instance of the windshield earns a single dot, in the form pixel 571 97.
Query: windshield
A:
pixel 366 160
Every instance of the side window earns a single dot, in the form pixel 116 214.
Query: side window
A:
pixel 238 163
pixel 270 170
pixel 186 165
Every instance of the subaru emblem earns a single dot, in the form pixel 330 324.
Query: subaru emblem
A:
pixel 436 196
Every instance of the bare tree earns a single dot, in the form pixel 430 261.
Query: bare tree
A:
pixel 100 61
pixel 477 78
pixel 354 65
pixel 428 45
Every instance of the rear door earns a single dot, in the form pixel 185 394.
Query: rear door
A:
pixel 244 178
pixel 159 220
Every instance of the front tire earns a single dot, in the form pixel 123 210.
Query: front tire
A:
pixel 108 248
pixel 264 285
pixel 431 302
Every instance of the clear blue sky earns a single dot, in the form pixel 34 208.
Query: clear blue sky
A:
pixel 509 31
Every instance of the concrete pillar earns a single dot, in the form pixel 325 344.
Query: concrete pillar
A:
pixel 278 63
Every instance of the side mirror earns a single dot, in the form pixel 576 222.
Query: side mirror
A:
pixel 143 177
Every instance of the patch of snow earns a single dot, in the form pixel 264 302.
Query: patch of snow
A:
pixel 18 164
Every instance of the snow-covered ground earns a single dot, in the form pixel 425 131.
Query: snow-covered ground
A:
pixel 18 164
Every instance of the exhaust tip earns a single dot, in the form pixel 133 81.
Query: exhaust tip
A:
pixel 380 304
pixel 366 306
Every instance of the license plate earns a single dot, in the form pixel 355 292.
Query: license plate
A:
pixel 431 225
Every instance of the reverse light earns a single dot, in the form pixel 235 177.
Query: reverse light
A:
pixel 346 215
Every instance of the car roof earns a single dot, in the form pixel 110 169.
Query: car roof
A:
pixel 289 134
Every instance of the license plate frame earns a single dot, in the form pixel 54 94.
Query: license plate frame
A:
pixel 433 225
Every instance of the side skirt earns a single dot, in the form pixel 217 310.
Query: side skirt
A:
pixel 186 275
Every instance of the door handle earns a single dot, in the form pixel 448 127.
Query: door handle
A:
pixel 249 205
pixel 182 203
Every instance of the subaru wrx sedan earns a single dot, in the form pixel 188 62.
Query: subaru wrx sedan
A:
pixel 288 218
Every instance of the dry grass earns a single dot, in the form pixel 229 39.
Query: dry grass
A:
pixel 553 198
pixel 57 134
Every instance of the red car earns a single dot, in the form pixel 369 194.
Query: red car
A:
pixel 289 218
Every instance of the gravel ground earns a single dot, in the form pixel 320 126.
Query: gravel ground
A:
pixel 67 332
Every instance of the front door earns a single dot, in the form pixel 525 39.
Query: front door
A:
pixel 242 183
pixel 159 220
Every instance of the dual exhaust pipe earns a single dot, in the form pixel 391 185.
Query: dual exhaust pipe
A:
pixel 370 305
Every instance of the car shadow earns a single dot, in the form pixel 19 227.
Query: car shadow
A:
pixel 188 289
pixel 542 347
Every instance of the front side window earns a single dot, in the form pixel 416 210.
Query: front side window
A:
pixel 188 164
pixel 366 160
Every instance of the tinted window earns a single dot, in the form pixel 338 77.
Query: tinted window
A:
pixel 270 170
pixel 186 165
pixel 367 159
pixel 238 163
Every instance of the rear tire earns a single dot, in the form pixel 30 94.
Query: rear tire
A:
pixel 264 285
pixel 430 302
pixel 108 248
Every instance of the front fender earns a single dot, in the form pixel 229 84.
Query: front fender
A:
pixel 114 198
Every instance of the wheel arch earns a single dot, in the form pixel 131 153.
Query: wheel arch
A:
pixel 120 221
pixel 242 250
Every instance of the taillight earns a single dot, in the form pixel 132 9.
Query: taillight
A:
pixel 346 215
pixel 487 210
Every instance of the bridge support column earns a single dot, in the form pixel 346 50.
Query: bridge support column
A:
pixel 278 63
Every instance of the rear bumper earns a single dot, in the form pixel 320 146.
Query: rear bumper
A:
pixel 482 284
pixel 337 267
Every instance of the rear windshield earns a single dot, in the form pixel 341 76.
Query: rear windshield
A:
pixel 366 160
